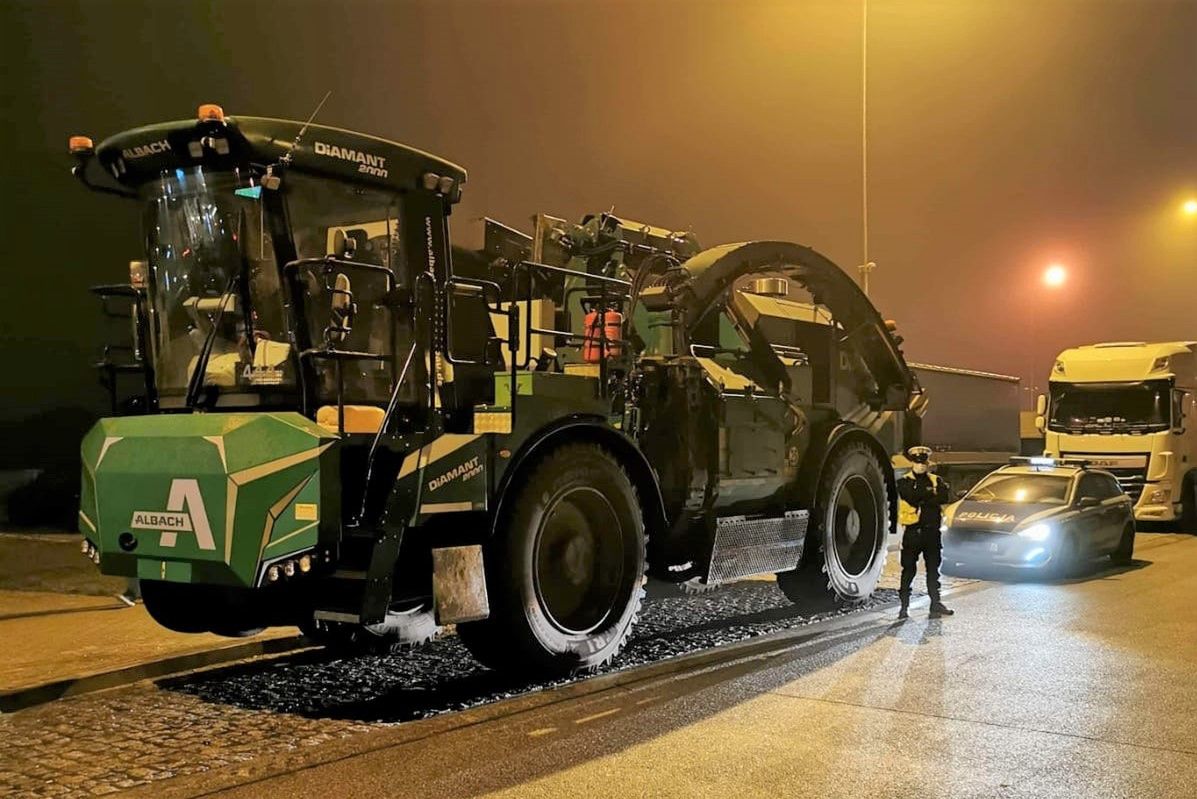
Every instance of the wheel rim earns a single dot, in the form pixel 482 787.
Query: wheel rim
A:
pixel 855 525
pixel 579 559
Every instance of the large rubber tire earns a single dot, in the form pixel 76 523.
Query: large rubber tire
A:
pixel 186 608
pixel 842 564
pixel 565 572
pixel 400 630
pixel 1188 506
pixel 176 606
pixel 1125 552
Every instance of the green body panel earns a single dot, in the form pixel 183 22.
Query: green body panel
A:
pixel 207 498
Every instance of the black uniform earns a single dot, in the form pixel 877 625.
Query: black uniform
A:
pixel 923 537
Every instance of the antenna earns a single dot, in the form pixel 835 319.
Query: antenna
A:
pixel 304 129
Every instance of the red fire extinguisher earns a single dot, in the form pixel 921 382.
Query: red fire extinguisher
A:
pixel 592 347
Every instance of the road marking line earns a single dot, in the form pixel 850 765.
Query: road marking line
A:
pixel 541 731
pixel 647 699
pixel 586 719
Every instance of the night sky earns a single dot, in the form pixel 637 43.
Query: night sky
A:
pixel 1003 135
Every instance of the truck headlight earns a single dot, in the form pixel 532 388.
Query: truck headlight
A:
pixel 1158 495
pixel 1036 532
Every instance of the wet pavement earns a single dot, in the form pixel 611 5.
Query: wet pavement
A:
pixel 1081 687
pixel 117 740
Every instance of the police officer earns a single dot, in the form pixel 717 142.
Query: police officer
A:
pixel 921 497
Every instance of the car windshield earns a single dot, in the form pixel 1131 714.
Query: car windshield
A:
pixel 1140 407
pixel 1023 488
pixel 213 277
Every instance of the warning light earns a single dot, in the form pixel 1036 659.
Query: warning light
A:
pixel 210 112
pixel 80 144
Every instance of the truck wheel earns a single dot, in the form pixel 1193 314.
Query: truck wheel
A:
pixel 565 572
pixel 696 587
pixel 850 525
pixel 176 606
pixel 1125 552
pixel 1188 507
pixel 401 629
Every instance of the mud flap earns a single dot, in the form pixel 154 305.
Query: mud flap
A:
pixel 459 585
pixel 744 547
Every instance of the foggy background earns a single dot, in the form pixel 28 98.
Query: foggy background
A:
pixel 1003 135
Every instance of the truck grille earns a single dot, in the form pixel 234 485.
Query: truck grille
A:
pixel 1131 480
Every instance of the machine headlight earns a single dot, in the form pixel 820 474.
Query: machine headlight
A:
pixel 1036 532
pixel 1158 495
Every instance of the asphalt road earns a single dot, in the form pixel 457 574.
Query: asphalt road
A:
pixel 1080 688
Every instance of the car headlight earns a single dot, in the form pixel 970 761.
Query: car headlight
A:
pixel 1036 532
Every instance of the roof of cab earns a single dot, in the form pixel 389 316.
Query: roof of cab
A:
pixel 135 156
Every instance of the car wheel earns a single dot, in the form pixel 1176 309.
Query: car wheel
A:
pixel 1126 545
pixel 1067 561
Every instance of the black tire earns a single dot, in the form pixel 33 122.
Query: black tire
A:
pixel 186 608
pixel 1188 506
pixel 176 606
pixel 400 630
pixel 1067 560
pixel 843 561
pixel 1125 552
pixel 565 573
pixel 696 587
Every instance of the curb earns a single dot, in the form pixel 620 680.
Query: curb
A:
pixel 22 698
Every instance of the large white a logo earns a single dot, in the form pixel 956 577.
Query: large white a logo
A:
pixel 184 513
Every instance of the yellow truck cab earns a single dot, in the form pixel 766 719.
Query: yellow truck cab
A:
pixel 1128 408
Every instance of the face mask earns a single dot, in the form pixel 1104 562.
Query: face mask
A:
pixel 918 468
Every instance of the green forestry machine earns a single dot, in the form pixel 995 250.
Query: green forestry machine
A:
pixel 344 423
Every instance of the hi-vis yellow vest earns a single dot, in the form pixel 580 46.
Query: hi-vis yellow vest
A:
pixel 908 514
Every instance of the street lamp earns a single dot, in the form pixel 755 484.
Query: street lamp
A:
pixel 1055 276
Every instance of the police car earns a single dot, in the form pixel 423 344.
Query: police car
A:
pixel 1040 513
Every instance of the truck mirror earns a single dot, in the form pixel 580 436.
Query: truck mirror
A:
pixel 342 310
pixel 1040 423
pixel 1041 405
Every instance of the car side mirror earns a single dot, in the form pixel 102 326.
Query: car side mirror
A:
pixel 1041 405
pixel 962 493
pixel 342 309
pixel 1088 502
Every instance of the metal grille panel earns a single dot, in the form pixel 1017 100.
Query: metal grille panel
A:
pixel 745 547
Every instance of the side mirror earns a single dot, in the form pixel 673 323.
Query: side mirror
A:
pixel 1040 424
pixel 962 493
pixel 343 309
pixel 1088 502
pixel 1041 405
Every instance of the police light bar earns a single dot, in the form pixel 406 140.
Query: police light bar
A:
pixel 1039 462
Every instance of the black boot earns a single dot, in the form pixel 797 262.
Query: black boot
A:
pixel 904 610
pixel 939 609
